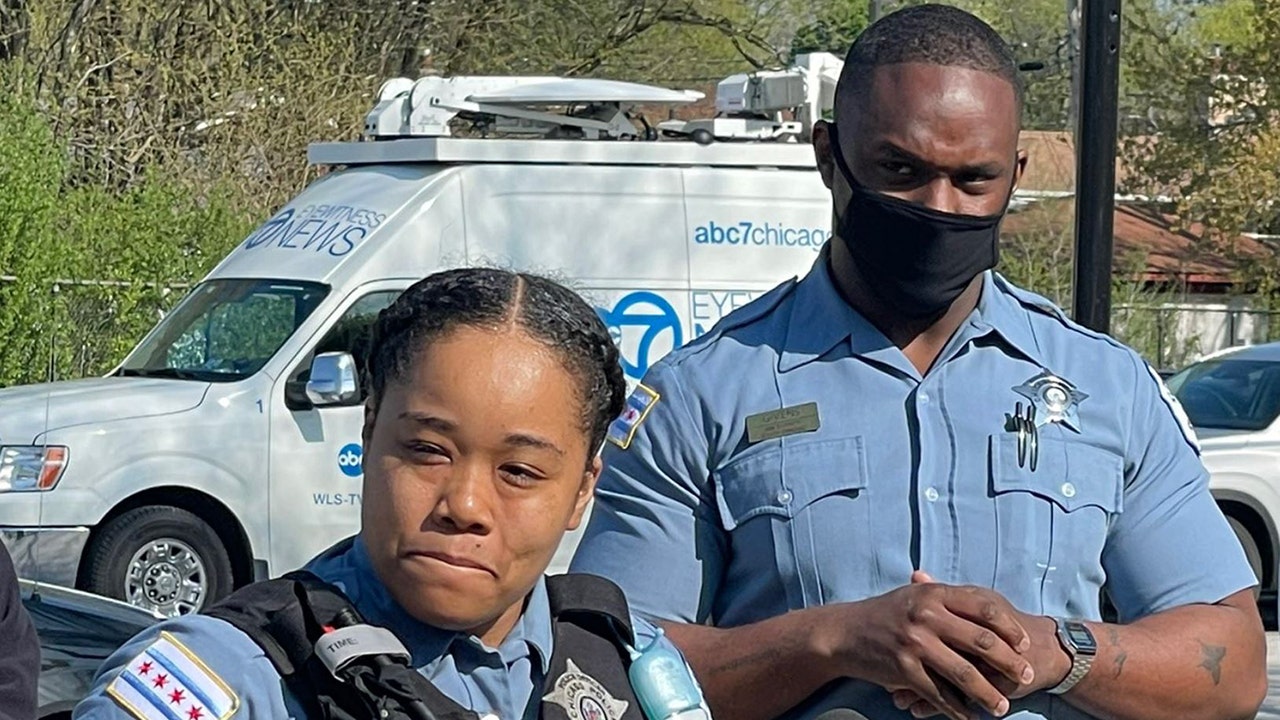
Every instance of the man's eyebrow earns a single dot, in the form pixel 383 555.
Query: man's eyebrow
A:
pixel 990 168
pixel 889 148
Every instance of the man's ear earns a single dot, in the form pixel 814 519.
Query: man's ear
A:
pixel 822 152
pixel 1019 167
pixel 586 491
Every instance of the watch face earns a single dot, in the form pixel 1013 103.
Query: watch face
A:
pixel 1081 637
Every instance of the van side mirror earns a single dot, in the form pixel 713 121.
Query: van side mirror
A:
pixel 334 380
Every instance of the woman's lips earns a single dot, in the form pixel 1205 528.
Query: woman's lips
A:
pixel 457 561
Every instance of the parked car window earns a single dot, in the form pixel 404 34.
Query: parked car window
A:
pixel 1229 394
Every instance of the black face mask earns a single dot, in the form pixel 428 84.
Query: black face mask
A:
pixel 916 259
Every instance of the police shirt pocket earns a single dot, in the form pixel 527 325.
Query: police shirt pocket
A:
pixel 817 470
pixel 783 481
pixel 1072 475
pixel 1052 522
pixel 793 498
pixel 749 487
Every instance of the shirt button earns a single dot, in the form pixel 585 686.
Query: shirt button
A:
pixel 784 497
pixel 924 397
pixel 1068 490
pixel 931 495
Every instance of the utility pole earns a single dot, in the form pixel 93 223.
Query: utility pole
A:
pixel 873 11
pixel 1098 109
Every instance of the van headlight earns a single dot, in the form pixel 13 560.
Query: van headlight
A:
pixel 31 468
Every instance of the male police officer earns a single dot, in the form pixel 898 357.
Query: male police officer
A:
pixel 19 648
pixel 916 494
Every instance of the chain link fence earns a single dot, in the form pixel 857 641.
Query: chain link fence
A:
pixel 70 329
pixel 1172 335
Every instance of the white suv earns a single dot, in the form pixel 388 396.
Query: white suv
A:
pixel 1233 400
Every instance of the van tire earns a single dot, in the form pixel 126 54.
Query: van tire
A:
pixel 116 543
pixel 1252 552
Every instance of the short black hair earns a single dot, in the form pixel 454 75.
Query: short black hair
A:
pixel 932 34
pixel 493 298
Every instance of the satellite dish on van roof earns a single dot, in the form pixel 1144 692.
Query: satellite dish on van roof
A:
pixel 765 105
pixel 581 91
pixel 596 109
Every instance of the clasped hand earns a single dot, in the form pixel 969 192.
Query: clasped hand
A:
pixel 946 649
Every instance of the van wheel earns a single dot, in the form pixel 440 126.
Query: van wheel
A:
pixel 1251 550
pixel 161 558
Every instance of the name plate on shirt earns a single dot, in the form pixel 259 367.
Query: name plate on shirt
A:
pixel 781 423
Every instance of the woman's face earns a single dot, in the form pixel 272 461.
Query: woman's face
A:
pixel 476 463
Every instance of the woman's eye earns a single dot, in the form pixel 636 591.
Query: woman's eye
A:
pixel 427 452
pixel 519 474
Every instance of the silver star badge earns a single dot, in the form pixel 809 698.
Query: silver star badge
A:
pixel 1055 400
pixel 584 698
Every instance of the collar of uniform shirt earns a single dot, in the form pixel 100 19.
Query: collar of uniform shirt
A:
pixel 532 633
pixel 1001 312
pixel 429 644
pixel 821 319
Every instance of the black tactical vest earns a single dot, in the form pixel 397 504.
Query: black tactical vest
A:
pixel 286 617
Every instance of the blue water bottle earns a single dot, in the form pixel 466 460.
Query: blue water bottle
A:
pixel 664 683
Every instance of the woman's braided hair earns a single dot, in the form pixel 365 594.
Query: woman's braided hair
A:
pixel 482 297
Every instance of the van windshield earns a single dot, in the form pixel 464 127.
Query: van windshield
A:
pixel 225 330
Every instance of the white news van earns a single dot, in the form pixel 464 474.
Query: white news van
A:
pixel 226 446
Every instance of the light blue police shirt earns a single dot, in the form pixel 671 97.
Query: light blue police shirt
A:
pixel 506 681
pixel 699 524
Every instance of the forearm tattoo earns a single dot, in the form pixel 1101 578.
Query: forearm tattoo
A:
pixel 1121 656
pixel 1211 660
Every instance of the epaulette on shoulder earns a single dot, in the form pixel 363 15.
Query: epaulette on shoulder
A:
pixel 1030 300
pixel 743 316
pixel 1043 306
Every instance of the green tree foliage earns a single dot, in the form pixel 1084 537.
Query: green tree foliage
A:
pixel 60 241
pixel 833 29
pixel 1204 132
pixel 1231 23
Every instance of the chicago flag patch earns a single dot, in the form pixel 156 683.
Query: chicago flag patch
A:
pixel 623 430
pixel 168 682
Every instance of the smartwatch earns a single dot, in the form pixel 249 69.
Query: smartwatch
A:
pixel 1076 638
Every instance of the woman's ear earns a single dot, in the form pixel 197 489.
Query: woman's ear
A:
pixel 370 415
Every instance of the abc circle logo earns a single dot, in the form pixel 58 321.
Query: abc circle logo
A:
pixel 349 460
pixel 655 329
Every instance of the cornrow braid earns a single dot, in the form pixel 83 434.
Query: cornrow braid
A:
pixel 491 298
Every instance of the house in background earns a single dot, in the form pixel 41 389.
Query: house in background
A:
pixel 1184 300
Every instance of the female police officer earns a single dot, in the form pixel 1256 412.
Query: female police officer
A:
pixel 490 394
